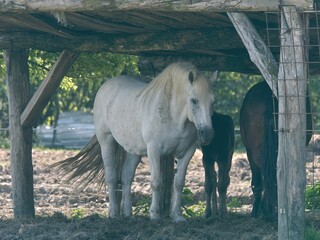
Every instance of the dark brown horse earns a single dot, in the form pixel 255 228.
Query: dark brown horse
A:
pixel 258 124
pixel 219 151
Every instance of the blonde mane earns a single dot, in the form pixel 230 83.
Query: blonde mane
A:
pixel 172 81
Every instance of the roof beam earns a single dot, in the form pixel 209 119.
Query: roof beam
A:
pixel 258 51
pixel 154 5
pixel 204 41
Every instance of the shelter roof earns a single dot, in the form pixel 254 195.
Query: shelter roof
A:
pixel 162 31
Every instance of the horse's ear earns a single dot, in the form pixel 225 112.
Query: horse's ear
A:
pixel 191 77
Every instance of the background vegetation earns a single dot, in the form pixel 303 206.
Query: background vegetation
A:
pixel 87 74
pixel 79 87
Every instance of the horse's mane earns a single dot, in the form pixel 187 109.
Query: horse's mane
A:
pixel 171 81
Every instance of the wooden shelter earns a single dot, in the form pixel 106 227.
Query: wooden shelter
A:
pixel 221 35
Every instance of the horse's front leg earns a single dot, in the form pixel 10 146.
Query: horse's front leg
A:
pixel 128 172
pixel 223 183
pixel 178 184
pixel 156 182
pixel 209 183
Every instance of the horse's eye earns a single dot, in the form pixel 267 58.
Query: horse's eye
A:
pixel 194 101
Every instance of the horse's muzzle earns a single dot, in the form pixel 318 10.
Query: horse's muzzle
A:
pixel 205 135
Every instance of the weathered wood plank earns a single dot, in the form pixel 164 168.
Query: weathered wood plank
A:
pixel 201 39
pixel 258 51
pixel 153 65
pixel 291 168
pixel 162 5
pixel 47 88
pixel 17 77
pixel 201 44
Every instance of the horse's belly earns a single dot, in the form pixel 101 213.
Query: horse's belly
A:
pixel 129 137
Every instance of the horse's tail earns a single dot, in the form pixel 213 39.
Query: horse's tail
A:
pixel 87 166
pixel 269 171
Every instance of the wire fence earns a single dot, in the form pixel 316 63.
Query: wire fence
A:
pixel 312 47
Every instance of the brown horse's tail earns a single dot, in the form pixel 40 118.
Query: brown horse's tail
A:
pixel 87 166
pixel 269 171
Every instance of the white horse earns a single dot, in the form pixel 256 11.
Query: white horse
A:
pixel 163 118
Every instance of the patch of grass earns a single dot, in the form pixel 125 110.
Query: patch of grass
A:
pixel 195 210
pixel 313 197
pixel 190 208
pixel 234 203
pixel 142 207
pixel 312 233
pixel 77 213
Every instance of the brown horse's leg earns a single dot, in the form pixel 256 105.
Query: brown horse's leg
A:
pixel 256 185
pixel 210 184
pixel 224 181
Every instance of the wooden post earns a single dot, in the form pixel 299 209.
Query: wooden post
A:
pixel 291 170
pixel 17 78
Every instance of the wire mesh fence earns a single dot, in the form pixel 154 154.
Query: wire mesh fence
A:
pixel 311 45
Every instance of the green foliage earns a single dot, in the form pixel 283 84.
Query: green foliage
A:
pixel 4 116
pixel 4 139
pixel 314 92
pixel 77 90
pixel 234 203
pixel 143 206
pixel 312 197
pixel 312 233
pixel 190 209
pixel 77 213
pixel 187 196
pixel 194 210
pixel 230 89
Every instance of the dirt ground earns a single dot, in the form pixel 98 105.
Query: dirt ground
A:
pixel 64 213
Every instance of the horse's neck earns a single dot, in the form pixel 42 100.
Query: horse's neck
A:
pixel 165 97
pixel 178 109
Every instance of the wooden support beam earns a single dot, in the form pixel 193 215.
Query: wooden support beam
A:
pixel 153 65
pixel 258 51
pixel 17 78
pixel 203 41
pixel 159 5
pixel 291 168
pixel 47 88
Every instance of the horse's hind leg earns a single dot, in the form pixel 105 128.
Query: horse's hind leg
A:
pixel 108 148
pixel 209 184
pixel 128 172
pixel 256 185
